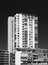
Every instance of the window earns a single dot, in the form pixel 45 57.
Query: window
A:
pixel 18 35
pixel 25 40
pixel 23 57
pixel 25 20
pixel 15 37
pixel 36 38
pixel 35 57
pixel 36 22
pixel 25 24
pixel 23 29
pixel 15 45
pixel 15 29
pixel 15 19
pixel 36 45
pixel 18 45
pixel 36 35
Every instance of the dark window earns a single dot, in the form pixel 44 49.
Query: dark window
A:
pixel 22 24
pixel 36 28
pixel 36 35
pixel 25 20
pixel 15 45
pixel 22 41
pixel 35 57
pixel 36 45
pixel 25 24
pixel 18 33
pixel 36 22
pixel 23 57
pixel 15 36
pixel 17 28
pixel 15 18
pixel 25 40
pixel 25 46
pixel 23 29
pixel 18 38
pixel 36 38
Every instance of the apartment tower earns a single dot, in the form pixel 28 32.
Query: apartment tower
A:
pixel 22 31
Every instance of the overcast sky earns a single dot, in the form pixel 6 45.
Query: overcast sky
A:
pixel 40 9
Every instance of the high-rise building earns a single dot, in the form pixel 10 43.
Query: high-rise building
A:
pixel 22 32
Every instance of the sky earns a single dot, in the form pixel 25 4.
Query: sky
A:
pixel 40 9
